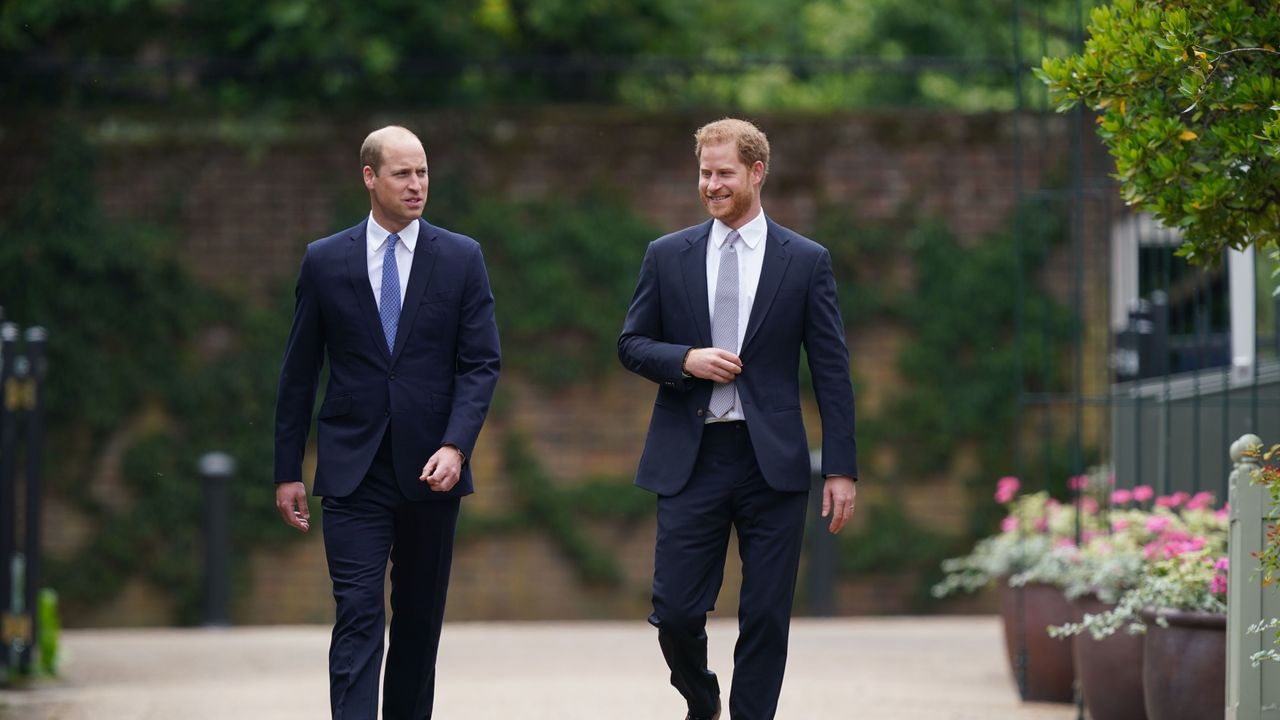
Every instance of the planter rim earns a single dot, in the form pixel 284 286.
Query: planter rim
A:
pixel 1187 618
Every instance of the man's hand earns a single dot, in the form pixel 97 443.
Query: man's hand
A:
pixel 291 501
pixel 712 363
pixel 839 496
pixel 443 469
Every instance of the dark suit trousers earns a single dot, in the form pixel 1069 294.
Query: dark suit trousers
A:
pixel 727 490
pixel 360 531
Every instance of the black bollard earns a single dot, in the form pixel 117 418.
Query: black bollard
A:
pixel 217 469
pixel 823 556
pixel 35 349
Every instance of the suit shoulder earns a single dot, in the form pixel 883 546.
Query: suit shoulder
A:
pixel 448 238
pixel 680 239
pixel 798 243
pixel 334 243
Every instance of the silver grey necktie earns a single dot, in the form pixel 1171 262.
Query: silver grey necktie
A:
pixel 724 321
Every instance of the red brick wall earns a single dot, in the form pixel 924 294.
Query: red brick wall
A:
pixel 246 206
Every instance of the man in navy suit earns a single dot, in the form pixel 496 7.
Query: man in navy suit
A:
pixel 719 316
pixel 403 311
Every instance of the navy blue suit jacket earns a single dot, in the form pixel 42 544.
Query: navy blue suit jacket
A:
pixel 795 305
pixel 434 389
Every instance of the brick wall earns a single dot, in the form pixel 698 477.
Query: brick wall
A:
pixel 248 198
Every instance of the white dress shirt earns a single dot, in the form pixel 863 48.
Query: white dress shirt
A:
pixel 375 249
pixel 751 251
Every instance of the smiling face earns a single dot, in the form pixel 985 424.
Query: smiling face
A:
pixel 398 186
pixel 729 188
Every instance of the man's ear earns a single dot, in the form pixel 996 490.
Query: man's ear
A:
pixel 757 172
pixel 369 174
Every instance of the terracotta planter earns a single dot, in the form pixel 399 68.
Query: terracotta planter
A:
pixel 1041 665
pixel 1110 669
pixel 1184 668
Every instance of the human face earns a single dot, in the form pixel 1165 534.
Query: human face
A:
pixel 729 189
pixel 398 191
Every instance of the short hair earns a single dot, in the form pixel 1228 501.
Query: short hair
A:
pixel 751 141
pixel 371 148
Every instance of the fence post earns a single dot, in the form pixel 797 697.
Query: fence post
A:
pixel 1252 692
pixel 9 400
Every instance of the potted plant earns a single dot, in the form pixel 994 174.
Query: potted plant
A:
pixel 1176 604
pixel 1042 666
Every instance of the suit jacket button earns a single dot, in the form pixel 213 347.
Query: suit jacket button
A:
pixel 392 376
pixel 701 412
pixel 386 413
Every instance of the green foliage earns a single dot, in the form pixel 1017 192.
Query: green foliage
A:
pixel 892 543
pixel 1189 107
pixel 49 641
pixel 562 273
pixel 959 369
pixel 539 504
pixel 287 55
pixel 142 358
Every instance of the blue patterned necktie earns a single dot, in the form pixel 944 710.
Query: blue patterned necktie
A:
pixel 724 322
pixel 389 306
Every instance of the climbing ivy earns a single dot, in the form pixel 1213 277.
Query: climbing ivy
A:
pixel 142 355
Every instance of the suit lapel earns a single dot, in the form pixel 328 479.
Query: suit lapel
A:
pixel 424 261
pixel 693 261
pixel 358 270
pixel 776 259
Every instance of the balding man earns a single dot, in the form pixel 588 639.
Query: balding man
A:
pixel 404 313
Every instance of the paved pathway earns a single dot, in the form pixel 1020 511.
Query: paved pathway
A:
pixel 936 668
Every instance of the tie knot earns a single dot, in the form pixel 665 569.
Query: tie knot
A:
pixel 392 239
pixel 732 238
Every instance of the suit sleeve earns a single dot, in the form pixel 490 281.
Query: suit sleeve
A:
pixel 479 359
pixel 824 343
pixel 639 346
pixel 299 377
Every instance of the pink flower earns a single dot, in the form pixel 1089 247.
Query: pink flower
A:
pixel 1157 523
pixel 1222 514
pixel 1172 501
pixel 1079 482
pixel 1064 543
pixel 1006 488
pixel 1223 564
pixel 1009 524
pixel 1121 497
pixel 1042 524
pixel 1120 524
pixel 1143 493
pixel 1089 505
pixel 1218 585
pixel 1200 500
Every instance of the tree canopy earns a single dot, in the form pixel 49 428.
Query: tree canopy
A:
pixel 661 54
pixel 1188 100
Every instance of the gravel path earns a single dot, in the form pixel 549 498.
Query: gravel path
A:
pixel 939 668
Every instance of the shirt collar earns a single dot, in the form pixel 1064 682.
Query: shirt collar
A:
pixel 752 233
pixel 377 235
